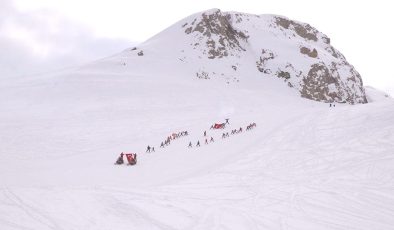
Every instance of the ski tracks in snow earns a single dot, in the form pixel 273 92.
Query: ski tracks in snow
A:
pixel 318 172
pixel 25 213
pixel 320 169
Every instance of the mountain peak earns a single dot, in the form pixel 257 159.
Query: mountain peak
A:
pixel 217 32
pixel 235 47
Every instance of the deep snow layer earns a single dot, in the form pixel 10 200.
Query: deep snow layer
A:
pixel 305 166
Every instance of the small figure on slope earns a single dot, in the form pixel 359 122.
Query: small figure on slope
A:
pixel 119 161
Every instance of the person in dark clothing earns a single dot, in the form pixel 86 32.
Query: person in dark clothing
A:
pixel 162 145
pixel 119 161
pixel 206 141
pixel 211 140
pixel 205 133
pixel 198 144
pixel 190 145
pixel 227 121
pixel 148 149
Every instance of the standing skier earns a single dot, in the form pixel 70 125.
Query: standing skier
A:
pixel 148 149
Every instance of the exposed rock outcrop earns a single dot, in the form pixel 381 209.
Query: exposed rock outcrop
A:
pixel 220 37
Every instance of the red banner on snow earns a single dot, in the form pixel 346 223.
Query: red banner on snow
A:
pixel 131 158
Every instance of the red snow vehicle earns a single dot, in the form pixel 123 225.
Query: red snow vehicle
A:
pixel 131 158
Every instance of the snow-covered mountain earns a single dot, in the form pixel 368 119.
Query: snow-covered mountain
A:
pixel 236 46
pixel 306 165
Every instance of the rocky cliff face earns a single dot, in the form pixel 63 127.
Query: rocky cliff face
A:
pixel 329 77
pixel 232 45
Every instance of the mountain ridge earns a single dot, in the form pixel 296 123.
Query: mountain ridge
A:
pixel 234 46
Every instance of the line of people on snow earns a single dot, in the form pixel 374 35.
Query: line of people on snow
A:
pixel 224 135
pixel 198 142
pixel 236 131
pixel 132 157
pixel 251 126
pixel 173 137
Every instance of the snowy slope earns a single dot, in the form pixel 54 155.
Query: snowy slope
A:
pixel 376 95
pixel 305 166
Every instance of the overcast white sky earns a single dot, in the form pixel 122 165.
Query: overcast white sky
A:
pixel 44 35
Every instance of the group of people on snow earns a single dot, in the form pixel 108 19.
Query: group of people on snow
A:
pixel 173 137
pixel 236 131
pixel 149 149
pixel 132 157
pixel 198 142
pixel 251 126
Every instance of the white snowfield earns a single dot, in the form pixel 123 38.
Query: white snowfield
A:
pixel 305 165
